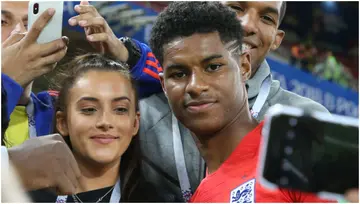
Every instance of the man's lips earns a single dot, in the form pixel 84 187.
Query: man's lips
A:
pixel 104 139
pixel 197 106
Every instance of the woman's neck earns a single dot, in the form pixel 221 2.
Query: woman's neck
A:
pixel 96 176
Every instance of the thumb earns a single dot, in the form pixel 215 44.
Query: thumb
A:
pixel 84 3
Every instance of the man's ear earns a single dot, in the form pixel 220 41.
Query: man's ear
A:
pixel 61 124
pixel 245 68
pixel 161 75
pixel 278 39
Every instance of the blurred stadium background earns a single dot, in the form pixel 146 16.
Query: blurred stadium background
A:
pixel 319 57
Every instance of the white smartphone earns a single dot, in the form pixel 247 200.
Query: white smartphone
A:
pixel 309 152
pixel 53 30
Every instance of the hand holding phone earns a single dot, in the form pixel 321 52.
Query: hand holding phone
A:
pixel 310 152
pixel 53 29
pixel 32 59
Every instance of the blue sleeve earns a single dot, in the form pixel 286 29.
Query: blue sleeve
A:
pixel 13 92
pixel 146 72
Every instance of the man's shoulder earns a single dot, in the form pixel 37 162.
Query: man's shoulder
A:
pixel 285 97
pixel 153 109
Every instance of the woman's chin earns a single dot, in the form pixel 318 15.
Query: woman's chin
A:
pixel 105 158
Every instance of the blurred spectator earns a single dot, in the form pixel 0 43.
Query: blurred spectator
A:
pixel 304 55
pixel 297 54
pixel 11 189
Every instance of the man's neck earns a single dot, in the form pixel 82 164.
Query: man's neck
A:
pixel 95 176
pixel 218 147
pixel 25 96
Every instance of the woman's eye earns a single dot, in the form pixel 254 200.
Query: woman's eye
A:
pixel 88 111
pixel 121 110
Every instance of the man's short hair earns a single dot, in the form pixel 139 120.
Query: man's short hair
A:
pixel 282 11
pixel 183 19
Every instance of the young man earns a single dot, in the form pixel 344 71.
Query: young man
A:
pixel 204 80
pixel 26 115
pixel 165 166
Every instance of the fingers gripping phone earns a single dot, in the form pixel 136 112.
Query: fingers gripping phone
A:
pixel 309 152
pixel 53 29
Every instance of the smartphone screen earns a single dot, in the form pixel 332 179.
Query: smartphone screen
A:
pixel 306 154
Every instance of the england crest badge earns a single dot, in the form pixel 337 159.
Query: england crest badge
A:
pixel 245 193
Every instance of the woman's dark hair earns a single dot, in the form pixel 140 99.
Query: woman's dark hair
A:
pixel 130 160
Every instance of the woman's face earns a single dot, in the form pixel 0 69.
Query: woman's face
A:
pixel 100 116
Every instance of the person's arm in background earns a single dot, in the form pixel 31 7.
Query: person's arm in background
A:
pixel 352 196
pixel 23 59
pixel 43 162
pixel 145 68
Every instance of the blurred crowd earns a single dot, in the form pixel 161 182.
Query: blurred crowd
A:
pixel 323 64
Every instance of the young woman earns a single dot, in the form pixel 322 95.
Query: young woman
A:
pixel 97 114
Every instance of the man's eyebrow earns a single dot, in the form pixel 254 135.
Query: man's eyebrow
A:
pixel 215 56
pixel 174 66
pixel 269 9
pixel 6 13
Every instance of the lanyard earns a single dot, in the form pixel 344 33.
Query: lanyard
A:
pixel 31 119
pixel 115 195
pixel 261 97
pixel 180 161
pixel 178 148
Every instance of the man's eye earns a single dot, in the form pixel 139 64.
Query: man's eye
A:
pixel 213 67
pixel 268 19
pixel 88 111
pixel 178 75
pixel 3 22
pixel 236 8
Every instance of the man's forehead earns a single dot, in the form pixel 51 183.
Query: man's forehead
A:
pixel 194 44
pixel 260 4
pixel 17 8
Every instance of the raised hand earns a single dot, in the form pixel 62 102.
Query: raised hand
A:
pixel 98 32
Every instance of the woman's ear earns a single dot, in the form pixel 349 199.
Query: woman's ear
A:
pixel 245 69
pixel 61 123
pixel 136 123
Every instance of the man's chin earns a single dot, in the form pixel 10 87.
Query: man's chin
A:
pixel 201 126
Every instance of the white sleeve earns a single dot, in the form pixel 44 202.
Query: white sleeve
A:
pixel 4 162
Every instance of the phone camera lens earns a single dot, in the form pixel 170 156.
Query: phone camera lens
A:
pixel 293 122
pixel 285 166
pixel 288 150
pixel 36 8
pixel 290 135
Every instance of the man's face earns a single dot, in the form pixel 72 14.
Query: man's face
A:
pixel 260 21
pixel 203 83
pixel 13 13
